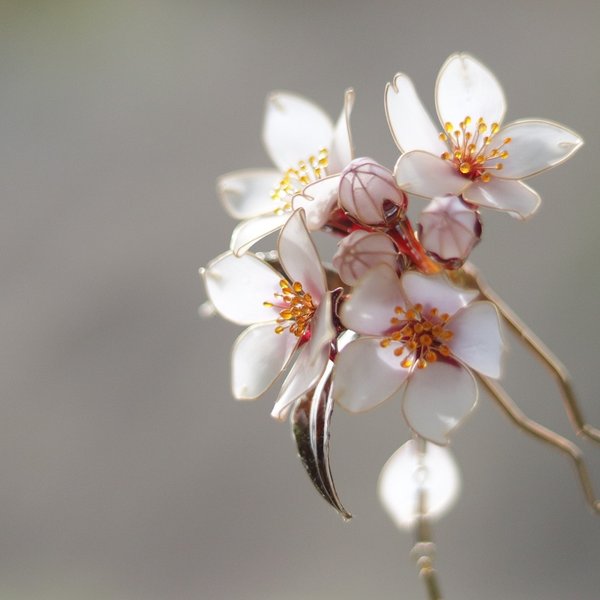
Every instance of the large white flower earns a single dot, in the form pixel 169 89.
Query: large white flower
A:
pixel 305 146
pixel 474 154
pixel 287 315
pixel 426 335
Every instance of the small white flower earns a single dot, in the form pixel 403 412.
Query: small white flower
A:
pixel 409 473
pixel 426 335
pixel 305 146
pixel 474 155
pixel 287 315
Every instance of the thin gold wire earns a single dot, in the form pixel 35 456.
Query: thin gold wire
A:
pixel 424 549
pixel 546 356
pixel 516 415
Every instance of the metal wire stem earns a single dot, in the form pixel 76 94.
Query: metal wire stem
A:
pixel 424 549
pixel 546 435
pixel 555 366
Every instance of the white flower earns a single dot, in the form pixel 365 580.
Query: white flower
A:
pixel 411 472
pixel 474 155
pixel 426 336
pixel 305 146
pixel 287 316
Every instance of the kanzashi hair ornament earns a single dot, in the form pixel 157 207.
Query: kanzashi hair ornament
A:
pixel 400 313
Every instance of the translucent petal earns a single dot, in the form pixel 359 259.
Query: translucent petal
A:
pixel 426 175
pixel 504 194
pixel 294 129
pixel 361 251
pixel 322 329
pixel 366 374
pixel 318 200
pixel 435 291
pixel 465 87
pixel 409 122
pixel 477 340
pixel 247 194
pixel 238 286
pixel 372 303
pixel 308 368
pixel 437 399
pixel 259 355
pixel 535 146
pixel 247 233
pixel 299 256
pixel 342 150
pixel 408 473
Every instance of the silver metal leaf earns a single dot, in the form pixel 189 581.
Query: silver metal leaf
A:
pixel 311 421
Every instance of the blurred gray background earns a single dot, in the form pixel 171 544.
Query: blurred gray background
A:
pixel 127 471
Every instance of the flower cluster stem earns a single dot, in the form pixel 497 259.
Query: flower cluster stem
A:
pixel 424 549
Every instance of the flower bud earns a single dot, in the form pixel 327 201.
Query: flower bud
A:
pixel 449 230
pixel 362 250
pixel 369 193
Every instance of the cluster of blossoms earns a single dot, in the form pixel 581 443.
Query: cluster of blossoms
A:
pixel 390 316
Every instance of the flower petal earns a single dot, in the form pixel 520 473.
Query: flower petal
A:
pixel 247 233
pixel 294 129
pixel 246 194
pixel 438 398
pixel 373 300
pixel 409 122
pixel 259 355
pixel 366 374
pixel 311 362
pixel 435 291
pixel 426 175
pixel 322 330
pixel 477 340
pixel 318 199
pixel 465 87
pixel 238 286
pixel 503 194
pixel 342 149
pixel 535 146
pixel 408 473
pixel 299 256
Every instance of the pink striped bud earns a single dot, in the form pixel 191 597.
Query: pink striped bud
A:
pixel 449 230
pixel 369 193
pixel 362 250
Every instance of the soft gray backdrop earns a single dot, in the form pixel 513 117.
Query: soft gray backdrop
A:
pixel 127 471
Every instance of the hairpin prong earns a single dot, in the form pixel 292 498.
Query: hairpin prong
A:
pixel 543 353
pixel 546 435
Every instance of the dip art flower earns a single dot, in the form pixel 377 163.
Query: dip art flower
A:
pixel 427 334
pixel 287 316
pixel 400 310
pixel 305 146
pixel 472 154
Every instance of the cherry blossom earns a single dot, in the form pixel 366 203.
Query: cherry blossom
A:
pixel 305 146
pixel 472 154
pixel 424 337
pixel 289 316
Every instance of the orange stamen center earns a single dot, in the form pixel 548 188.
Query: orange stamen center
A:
pixel 474 150
pixel 420 335
pixel 295 179
pixel 297 308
